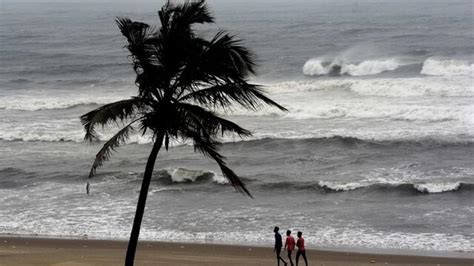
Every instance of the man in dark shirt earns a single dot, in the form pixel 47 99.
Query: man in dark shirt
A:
pixel 278 246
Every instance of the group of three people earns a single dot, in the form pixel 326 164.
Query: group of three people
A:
pixel 289 247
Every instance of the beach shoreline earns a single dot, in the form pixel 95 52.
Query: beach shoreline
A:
pixel 27 250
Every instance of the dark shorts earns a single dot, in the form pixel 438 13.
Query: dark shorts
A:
pixel 289 252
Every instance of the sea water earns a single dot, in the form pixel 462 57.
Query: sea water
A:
pixel 377 149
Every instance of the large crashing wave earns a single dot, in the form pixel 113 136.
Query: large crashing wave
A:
pixel 184 175
pixel 447 67
pixel 317 67
pixel 431 67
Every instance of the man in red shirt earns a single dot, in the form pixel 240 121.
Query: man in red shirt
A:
pixel 289 245
pixel 301 251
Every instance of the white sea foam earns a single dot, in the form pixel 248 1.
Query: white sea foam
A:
pixel 434 187
pixel 399 88
pixel 342 186
pixel 62 100
pixel 391 112
pixel 63 209
pixel 370 67
pixel 58 131
pixel 447 67
pixel 410 87
pixel 405 100
pixel 438 187
pixel 356 236
pixel 182 175
pixel 317 67
pixel 393 178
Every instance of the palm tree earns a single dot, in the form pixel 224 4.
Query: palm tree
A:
pixel 182 79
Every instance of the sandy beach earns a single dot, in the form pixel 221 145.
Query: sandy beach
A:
pixel 46 251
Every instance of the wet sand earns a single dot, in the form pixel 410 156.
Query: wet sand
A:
pixel 69 252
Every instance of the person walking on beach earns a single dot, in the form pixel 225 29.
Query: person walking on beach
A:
pixel 278 246
pixel 289 245
pixel 301 251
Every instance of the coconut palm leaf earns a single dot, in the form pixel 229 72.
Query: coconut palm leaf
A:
pixel 222 60
pixel 249 96
pixel 228 52
pixel 189 13
pixel 112 112
pixel 142 40
pixel 104 154
pixel 204 120
pixel 210 148
pixel 137 33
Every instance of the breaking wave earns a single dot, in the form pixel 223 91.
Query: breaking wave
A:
pixel 432 67
pixel 447 67
pixel 317 67
pixel 172 176
pixel 268 143
pixel 407 87
pixel 183 175
pixel 330 186
pixel 59 101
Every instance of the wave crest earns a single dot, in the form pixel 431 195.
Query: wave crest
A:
pixel 184 175
pixel 447 67
pixel 437 187
pixel 317 67
pixel 63 100
pixel 387 185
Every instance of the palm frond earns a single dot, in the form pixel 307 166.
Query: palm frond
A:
pixel 210 148
pixel 105 114
pixel 141 39
pixel 232 53
pixel 249 96
pixel 191 12
pixel 164 16
pixel 137 33
pixel 222 59
pixel 208 123
pixel 104 154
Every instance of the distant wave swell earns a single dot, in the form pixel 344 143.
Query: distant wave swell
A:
pixel 329 186
pixel 174 176
pixel 36 103
pixel 270 142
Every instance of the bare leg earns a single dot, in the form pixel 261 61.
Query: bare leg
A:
pixel 304 257
pixel 289 257
pixel 280 258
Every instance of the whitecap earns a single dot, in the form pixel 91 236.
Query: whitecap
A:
pixel 447 67
pixel 438 187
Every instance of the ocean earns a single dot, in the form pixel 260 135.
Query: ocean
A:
pixel 376 151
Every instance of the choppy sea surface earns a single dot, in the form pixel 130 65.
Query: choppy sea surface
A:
pixel 377 149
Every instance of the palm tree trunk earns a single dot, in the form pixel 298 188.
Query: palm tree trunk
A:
pixel 132 244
